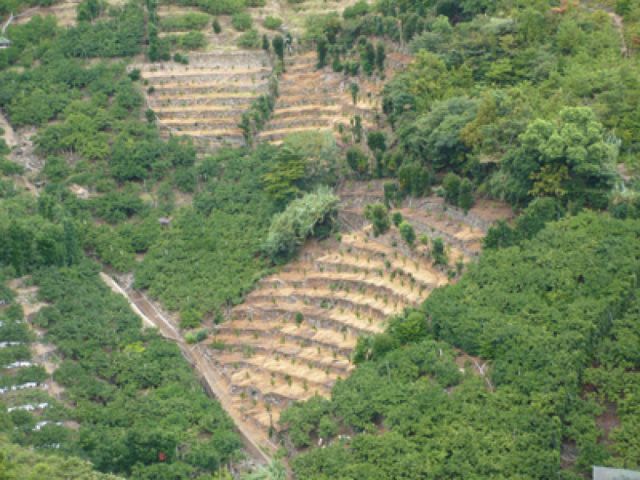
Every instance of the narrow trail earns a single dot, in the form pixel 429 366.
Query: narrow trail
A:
pixel 9 135
pixel 618 23
pixel 255 441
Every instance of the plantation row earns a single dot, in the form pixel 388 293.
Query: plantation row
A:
pixel 295 334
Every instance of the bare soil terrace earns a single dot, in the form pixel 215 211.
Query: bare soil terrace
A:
pixel 294 335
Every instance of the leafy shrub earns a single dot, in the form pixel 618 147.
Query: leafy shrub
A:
pixel 408 233
pixel 414 179
pixel 451 185
pixel 89 10
pixel 272 23
pixel 181 23
pixel 241 21
pixel 312 215
pixel 191 41
pixel 357 161
pixel 378 215
pixel 439 252
pixel 358 9
pixel 249 39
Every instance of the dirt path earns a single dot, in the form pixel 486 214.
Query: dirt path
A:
pixel 41 353
pixel 618 22
pixel 9 135
pixel 256 442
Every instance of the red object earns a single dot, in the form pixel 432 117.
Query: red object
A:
pixel 162 456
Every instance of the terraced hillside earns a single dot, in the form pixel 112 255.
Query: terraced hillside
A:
pixel 206 98
pixel 294 335
pixel 309 100
pixel 65 13
pixel 320 100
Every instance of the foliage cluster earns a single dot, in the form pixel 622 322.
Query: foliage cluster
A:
pixel 313 215
pixel 553 319
pixel 523 102
pixel 130 385
pixel 207 258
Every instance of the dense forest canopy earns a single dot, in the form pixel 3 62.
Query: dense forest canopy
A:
pixel 523 101
pixel 553 316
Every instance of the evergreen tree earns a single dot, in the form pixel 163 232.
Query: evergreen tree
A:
pixel 378 215
pixel 465 195
pixel 368 58
pixel 451 185
pixel 354 89
pixel 380 56
pixel 278 48
pixel 71 244
pixel 322 49
pixel 407 233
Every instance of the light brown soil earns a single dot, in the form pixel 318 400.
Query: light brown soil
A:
pixel 41 353
pixel 294 334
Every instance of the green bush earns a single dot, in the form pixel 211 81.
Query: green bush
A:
pixel 451 185
pixel 272 23
pixel 241 21
pixel 312 215
pixel 357 161
pixel 439 252
pixel 181 23
pixel 249 39
pixel 407 233
pixel 378 215
pixel 191 41
pixel 358 9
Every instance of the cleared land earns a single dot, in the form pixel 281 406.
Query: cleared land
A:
pixel 206 98
pixel 294 335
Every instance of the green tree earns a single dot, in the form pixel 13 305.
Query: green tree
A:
pixel 357 161
pixel 378 215
pixel 377 141
pixel 285 179
pixel 436 137
pixel 569 159
pixel 465 195
pixel 278 47
pixel 354 89
pixel 451 185
pixel 312 215
pixel 380 56
pixel 241 21
pixel 216 26
pixel 89 10
pixel 438 252
pixel 356 128
pixel 368 57
pixel 414 179
pixel 322 50
pixel 407 233
pixel 71 243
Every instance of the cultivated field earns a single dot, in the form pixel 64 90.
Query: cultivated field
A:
pixel 294 335
pixel 206 98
